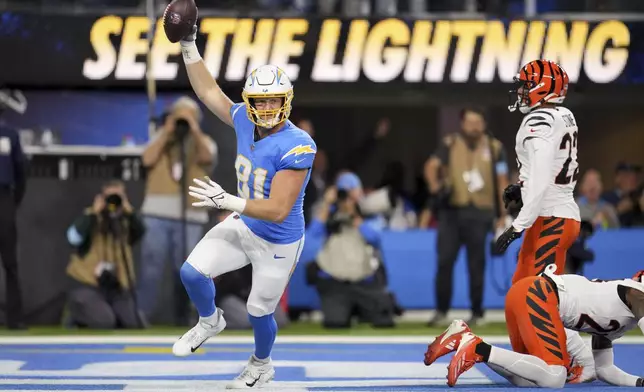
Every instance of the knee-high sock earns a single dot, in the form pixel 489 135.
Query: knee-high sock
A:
pixel 578 349
pixel 265 331
pixel 200 288
pixel 514 380
pixel 528 367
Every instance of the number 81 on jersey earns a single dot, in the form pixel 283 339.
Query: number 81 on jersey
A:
pixel 244 169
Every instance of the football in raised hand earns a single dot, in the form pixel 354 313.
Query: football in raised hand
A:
pixel 179 18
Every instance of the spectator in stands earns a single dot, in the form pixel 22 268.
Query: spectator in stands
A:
pixel 361 155
pixel 391 200
pixel 101 266
pixel 627 194
pixel 169 171
pixel 347 273
pixel 592 208
pixel 461 181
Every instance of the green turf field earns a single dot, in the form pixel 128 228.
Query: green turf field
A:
pixel 301 328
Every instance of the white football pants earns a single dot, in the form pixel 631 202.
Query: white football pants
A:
pixel 231 245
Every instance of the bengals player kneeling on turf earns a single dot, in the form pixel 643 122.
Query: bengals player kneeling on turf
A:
pixel 546 148
pixel 537 310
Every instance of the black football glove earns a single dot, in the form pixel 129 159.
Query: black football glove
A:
pixel 506 239
pixel 512 193
pixel 192 37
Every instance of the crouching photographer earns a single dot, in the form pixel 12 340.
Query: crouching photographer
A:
pixel 348 274
pixel 101 267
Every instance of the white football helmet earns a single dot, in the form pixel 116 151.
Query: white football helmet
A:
pixel 268 81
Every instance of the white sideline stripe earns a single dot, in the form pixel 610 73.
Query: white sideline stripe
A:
pixel 214 383
pixel 304 339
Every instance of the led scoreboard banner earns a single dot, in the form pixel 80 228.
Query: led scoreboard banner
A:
pixel 81 50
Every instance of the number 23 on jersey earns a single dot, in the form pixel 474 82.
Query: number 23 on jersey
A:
pixel 245 175
pixel 568 142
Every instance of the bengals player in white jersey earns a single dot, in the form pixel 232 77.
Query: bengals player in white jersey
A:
pixel 546 148
pixel 538 308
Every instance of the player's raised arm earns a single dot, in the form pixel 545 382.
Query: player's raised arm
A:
pixel 203 83
pixel 603 347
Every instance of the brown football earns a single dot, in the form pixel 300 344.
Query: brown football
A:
pixel 178 19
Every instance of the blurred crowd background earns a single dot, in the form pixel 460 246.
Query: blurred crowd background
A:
pixel 353 8
pixel 404 193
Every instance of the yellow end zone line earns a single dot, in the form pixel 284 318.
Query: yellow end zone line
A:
pixel 304 339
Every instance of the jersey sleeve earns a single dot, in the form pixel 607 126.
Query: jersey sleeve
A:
pixel 236 110
pixel 298 155
pixel 539 124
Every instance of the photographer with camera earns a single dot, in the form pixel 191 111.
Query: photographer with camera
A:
pixel 101 267
pixel 348 274
pixel 178 152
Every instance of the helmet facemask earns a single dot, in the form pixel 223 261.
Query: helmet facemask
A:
pixel 519 96
pixel 268 118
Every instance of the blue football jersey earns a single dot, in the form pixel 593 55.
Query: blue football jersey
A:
pixel 257 163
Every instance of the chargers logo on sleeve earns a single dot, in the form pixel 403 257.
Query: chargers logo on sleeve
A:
pixel 299 150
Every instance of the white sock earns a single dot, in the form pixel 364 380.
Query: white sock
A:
pixel 261 361
pixel 211 320
pixel 528 367
pixel 578 349
pixel 514 380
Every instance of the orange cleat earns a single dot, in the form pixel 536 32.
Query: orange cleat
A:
pixel 464 358
pixel 446 342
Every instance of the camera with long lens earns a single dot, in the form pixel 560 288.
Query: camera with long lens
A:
pixel 181 128
pixel 112 212
pixel 113 202
pixel 340 218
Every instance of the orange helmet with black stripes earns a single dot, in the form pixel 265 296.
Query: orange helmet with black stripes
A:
pixel 538 82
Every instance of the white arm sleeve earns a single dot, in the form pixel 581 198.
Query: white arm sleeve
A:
pixel 608 372
pixel 541 154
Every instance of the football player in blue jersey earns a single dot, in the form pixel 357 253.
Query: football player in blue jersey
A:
pixel 266 228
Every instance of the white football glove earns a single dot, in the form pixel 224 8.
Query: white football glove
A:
pixel 210 194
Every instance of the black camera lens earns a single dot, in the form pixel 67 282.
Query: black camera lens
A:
pixel 181 128
pixel 114 200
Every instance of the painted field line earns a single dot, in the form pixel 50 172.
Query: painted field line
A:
pixel 304 339
pixel 182 384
